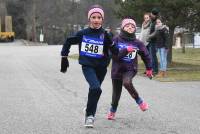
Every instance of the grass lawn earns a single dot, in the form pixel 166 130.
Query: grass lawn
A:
pixel 185 66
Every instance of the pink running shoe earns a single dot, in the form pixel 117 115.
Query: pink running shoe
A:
pixel 111 116
pixel 144 106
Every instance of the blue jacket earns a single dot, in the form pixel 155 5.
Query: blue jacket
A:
pixel 94 45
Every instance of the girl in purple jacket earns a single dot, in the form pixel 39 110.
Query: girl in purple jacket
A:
pixel 125 63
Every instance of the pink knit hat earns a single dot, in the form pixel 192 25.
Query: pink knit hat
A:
pixel 95 9
pixel 128 21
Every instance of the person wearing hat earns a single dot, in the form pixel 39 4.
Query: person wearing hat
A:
pixel 152 40
pixel 94 44
pixel 125 63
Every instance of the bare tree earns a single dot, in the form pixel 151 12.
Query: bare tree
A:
pixel 56 18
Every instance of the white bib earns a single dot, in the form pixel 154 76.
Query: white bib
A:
pixel 130 56
pixel 92 47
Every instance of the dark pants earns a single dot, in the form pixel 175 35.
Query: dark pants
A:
pixel 126 81
pixel 152 51
pixel 94 77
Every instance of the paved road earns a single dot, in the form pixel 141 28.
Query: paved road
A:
pixel 35 98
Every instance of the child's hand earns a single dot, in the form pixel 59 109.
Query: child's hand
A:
pixel 149 73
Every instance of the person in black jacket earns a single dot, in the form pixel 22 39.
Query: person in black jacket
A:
pixel 152 40
pixel 162 45
pixel 94 45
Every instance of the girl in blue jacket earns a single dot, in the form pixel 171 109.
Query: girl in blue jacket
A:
pixel 94 44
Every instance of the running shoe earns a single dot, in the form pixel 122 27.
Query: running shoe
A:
pixel 89 122
pixel 143 106
pixel 111 115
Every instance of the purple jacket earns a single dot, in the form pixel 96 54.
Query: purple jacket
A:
pixel 124 61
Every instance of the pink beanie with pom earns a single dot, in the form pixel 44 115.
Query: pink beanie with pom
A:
pixel 95 9
pixel 128 21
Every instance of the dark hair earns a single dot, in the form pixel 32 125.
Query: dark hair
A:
pixel 155 11
pixel 160 18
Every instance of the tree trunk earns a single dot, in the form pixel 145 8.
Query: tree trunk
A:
pixel 3 9
pixel 34 39
pixel 183 42
pixel 171 43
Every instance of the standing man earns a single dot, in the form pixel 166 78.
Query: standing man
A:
pixel 152 40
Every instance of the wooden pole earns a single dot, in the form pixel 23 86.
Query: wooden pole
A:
pixel 8 24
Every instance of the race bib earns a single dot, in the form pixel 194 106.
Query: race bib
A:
pixel 92 47
pixel 130 56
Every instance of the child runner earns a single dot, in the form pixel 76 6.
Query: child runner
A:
pixel 124 65
pixel 94 44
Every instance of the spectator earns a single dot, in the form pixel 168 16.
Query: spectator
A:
pixel 145 29
pixel 152 40
pixel 162 36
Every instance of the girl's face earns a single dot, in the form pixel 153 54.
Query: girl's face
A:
pixel 146 17
pixel 96 20
pixel 158 22
pixel 130 28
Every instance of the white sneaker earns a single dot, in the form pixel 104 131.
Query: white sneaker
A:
pixel 89 122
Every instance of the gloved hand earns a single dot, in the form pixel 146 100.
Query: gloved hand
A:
pixel 149 73
pixel 130 49
pixel 64 64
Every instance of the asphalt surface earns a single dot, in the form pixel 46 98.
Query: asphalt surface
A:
pixel 35 98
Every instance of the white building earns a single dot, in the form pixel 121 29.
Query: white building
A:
pixel 196 40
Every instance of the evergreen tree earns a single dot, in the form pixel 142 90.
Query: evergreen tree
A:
pixel 183 13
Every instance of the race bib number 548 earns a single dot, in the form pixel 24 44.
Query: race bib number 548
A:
pixel 92 48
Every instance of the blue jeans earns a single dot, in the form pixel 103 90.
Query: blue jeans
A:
pixel 94 77
pixel 163 58
pixel 152 51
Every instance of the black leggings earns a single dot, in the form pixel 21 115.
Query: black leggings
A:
pixel 126 81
